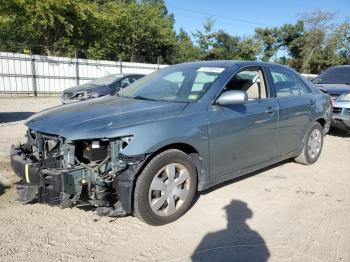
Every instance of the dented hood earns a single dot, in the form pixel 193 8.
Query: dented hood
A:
pixel 98 118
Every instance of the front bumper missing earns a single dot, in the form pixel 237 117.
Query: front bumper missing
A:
pixel 46 185
pixel 65 187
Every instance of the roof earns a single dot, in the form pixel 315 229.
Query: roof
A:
pixel 231 63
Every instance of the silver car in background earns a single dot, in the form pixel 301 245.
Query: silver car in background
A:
pixel 335 81
pixel 341 112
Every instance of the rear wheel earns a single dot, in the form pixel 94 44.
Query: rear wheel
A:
pixel 165 188
pixel 312 147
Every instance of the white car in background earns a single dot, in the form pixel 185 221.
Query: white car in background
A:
pixel 309 76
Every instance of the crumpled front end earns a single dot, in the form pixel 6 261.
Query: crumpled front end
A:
pixel 66 173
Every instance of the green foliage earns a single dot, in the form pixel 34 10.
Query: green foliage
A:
pixel 269 42
pixel 219 45
pixel 184 50
pixel 98 29
pixel 143 31
pixel 312 44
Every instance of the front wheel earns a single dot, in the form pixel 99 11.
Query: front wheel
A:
pixel 312 146
pixel 165 188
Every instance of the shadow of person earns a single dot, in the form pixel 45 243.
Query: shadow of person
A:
pixel 236 243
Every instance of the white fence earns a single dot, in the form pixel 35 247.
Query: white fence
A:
pixel 35 74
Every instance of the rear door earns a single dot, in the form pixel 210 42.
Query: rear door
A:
pixel 296 103
pixel 243 135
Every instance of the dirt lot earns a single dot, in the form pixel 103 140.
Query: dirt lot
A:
pixel 288 212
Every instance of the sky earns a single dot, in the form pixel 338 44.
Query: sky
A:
pixel 241 17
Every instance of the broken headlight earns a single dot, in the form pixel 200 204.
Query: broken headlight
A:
pixel 96 150
pixel 85 95
pixel 345 97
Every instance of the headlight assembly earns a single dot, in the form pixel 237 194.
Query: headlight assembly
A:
pixel 345 97
pixel 86 95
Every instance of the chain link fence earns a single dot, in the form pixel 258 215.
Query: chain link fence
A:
pixel 33 75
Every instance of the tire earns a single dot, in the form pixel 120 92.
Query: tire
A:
pixel 165 188
pixel 313 143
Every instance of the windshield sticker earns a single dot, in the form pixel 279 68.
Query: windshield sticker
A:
pixel 192 97
pixel 211 69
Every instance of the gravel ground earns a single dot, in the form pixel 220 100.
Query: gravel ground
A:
pixel 288 212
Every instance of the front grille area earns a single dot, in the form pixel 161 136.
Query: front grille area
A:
pixel 337 110
pixel 52 162
pixel 46 149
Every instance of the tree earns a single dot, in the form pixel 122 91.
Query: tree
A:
pixel 269 42
pixel 219 45
pixel 292 39
pixel 101 29
pixel 205 39
pixel 184 50
pixel 318 25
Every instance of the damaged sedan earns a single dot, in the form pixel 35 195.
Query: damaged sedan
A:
pixel 147 150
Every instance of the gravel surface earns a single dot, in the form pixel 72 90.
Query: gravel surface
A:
pixel 288 212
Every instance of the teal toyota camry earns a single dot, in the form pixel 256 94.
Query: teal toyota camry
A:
pixel 148 149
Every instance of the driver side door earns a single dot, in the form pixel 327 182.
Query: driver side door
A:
pixel 243 135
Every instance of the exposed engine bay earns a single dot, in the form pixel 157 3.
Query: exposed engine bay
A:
pixel 67 173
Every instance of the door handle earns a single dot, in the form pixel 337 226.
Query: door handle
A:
pixel 270 110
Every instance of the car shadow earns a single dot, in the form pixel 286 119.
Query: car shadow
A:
pixel 238 242
pixel 339 133
pixel 7 117
pixel 237 179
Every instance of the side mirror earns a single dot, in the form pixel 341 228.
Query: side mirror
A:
pixel 233 97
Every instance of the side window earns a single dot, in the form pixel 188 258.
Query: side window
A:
pixel 125 82
pixel 132 79
pixel 286 84
pixel 249 80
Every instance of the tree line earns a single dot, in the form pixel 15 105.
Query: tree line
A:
pixel 143 31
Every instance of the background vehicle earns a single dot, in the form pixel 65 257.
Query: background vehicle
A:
pixel 309 77
pixel 107 85
pixel 336 82
pixel 341 112
pixel 181 129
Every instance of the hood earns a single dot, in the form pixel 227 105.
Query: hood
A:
pixel 85 87
pixel 334 89
pixel 100 117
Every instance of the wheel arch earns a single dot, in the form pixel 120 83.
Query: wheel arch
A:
pixel 322 121
pixel 319 120
pixel 187 149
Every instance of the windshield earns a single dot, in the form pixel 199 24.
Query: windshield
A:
pixel 106 80
pixel 180 83
pixel 334 75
